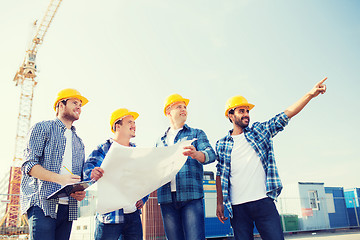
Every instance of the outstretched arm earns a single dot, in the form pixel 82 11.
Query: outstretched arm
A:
pixel 294 109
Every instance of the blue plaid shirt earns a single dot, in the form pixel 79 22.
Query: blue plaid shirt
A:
pixel 46 146
pixel 189 180
pixel 260 138
pixel 95 159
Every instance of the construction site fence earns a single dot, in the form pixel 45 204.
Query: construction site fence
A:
pixel 297 214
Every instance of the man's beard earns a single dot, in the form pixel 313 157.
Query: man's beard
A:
pixel 240 123
pixel 71 116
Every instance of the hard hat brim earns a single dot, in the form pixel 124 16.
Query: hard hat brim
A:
pixel 83 100
pixel 135 115
pixel 186 101
pixel 249 105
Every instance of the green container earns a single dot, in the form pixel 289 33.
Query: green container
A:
pixel 291 222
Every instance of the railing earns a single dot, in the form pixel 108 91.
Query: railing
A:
pixel 297 214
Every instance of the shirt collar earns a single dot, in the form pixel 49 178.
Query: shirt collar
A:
pixel 184 128
pixel 110 140
pixel 59 123
pixel 228 136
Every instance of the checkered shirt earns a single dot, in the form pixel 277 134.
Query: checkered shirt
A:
pixel 189 180
pixel 45 147
pixel 260 138
pixel 95 159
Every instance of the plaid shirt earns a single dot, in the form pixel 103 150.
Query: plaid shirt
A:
pixel 45 147
pixel 95 159
pixel 189 180
pixel 260 138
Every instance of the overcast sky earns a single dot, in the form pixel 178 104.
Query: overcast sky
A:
pixel 134 54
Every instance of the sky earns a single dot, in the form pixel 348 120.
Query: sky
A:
pixel 134 54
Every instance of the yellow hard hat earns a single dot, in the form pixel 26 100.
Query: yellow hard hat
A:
pixel 174 98
pixel 119 114
pixel 70 93
pixel 236 101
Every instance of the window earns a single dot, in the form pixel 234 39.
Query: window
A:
pixel 314 200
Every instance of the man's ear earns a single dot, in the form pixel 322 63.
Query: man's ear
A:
pixel 231 117
pixel 168 111
pixel 116 126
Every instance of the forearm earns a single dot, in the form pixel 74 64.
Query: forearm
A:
pixel 200 156
pixel 203 145
pixel 319 88
pixel 41 173
pixel 298 106
pixel 219 195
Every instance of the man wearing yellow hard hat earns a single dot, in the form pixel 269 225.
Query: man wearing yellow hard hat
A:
pixel 54 157
pixel 181 200
pixel 247 179
pixel 126 222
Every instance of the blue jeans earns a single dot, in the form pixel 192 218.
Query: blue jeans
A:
pixel 183 220
pixel 130 229
pixel 47 228
pixel 265 215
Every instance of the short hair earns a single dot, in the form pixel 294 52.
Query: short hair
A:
pixel 64 101
pixel 120 121
pixel 231 111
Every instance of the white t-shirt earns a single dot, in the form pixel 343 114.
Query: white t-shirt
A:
pixel 170 139
pixel 67 161
pixel 130 209
pixel 247 175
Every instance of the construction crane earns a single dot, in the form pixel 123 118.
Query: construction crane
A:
pixel 13 223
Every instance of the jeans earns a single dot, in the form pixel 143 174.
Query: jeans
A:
pixel 130 229
pixel 184 220
pixel 47 228
pixel 265 215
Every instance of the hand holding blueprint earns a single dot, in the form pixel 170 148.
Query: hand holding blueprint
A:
pixel 132 173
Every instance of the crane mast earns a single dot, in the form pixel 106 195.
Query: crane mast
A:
pixel 25 78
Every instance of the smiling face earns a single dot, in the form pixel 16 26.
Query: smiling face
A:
pixel 126 128
pixel 177 112
pixel 70 109
pixel 240 117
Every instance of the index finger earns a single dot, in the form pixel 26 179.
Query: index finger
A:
pixel 80 192
pixel 76 177
pixel 99 169
pixel 322 81
pixel 188 147
pixel 220 219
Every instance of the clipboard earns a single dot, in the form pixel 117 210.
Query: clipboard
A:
pixel 66 190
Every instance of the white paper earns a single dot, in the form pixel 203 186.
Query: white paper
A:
pixel 131 173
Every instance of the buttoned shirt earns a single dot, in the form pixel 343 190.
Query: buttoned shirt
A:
pixel 260 138
pixel 95 159
pixel 45 147
pixel 189 180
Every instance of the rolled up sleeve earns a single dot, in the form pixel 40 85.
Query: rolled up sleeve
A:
pixel 34 148
pixel 203 145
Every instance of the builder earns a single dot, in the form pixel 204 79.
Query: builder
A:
pixel 247 179
pixel 54 156
pixel 181 200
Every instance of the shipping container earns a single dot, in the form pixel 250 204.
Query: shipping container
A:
pixel 336 205
pixel 153 228
pixel 352 204
pixel 213 227
pixel 307 201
